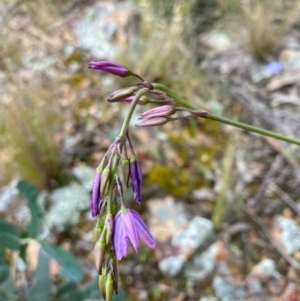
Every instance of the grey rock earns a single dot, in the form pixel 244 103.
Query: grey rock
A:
pixel 85 174
pixel 172 265
pixel 227 291
pixel 9 196
pixel 67 203
pixel 198 231
pixel 290 234
pixel 201 266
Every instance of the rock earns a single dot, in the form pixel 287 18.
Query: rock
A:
pixel 85 174
pixel 97 27
pixel 216 40
pixel 197 233
pixel 67 203
pixel 177 237
pixel 264 270
pixel 203 265
pixel 9 196
pixel 228 291
pixel 287 232
pixel 218 259
pixel 172 265
pixel 12 202
pixel 290 58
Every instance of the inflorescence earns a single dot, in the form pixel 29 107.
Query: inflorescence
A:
pixel 117 224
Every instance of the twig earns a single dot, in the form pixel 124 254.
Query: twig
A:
pixel 285 197
pixel 272 171
pixel 294 263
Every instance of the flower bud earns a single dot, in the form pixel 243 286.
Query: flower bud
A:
pixel 162 111
pixel 121 94
pixel 96 194
pixel 98 229
pixel 101 283
pixel 136 176
pixel 109 285
pixel 125 170
pixel 111 67
pixel 153 121
pixel 109 229
pixel 105 179
pixel 99 252
pixel 142 101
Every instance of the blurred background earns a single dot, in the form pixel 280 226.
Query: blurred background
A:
pixel 223 204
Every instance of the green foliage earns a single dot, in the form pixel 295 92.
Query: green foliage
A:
pixel 9 236
pixel 70 267
pixel 31 194
pixel 41 284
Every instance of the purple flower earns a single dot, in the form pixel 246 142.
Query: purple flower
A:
pixel 273 67
pixel 128 225
pixel 110 67
pixel 136 177
pixel 96 196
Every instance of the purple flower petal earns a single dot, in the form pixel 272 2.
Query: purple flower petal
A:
pixel 143 231
pixel 128 225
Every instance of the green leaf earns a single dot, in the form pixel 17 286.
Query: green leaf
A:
pixel 41 285
pixel 9 228
pixel 31 194
pixel 70 267
pixel 9 241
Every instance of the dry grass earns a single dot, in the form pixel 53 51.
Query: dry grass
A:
pixel 265 22
pixel 167 55
pixel 29 136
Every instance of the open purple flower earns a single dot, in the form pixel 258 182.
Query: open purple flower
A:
pixel 136 177
pixel 128 225
pixel 110 67
pixel 96 195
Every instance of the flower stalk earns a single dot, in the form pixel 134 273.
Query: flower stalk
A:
pixel 117 225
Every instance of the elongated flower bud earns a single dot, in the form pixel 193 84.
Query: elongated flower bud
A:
pixel 101 283
pixel 111 67
pixel 125 170
pixel 105 179
pixel 99 252
pixel 121 94
pixel 162 111
pixel 153 121
pixel 142 101
pixel 109 229
pixel 96 194
pixel 136 176
pixel 109 286
pixel 98 228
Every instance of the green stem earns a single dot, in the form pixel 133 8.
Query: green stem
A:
pixel 237 124
pixel 122 136
pixel 129 115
